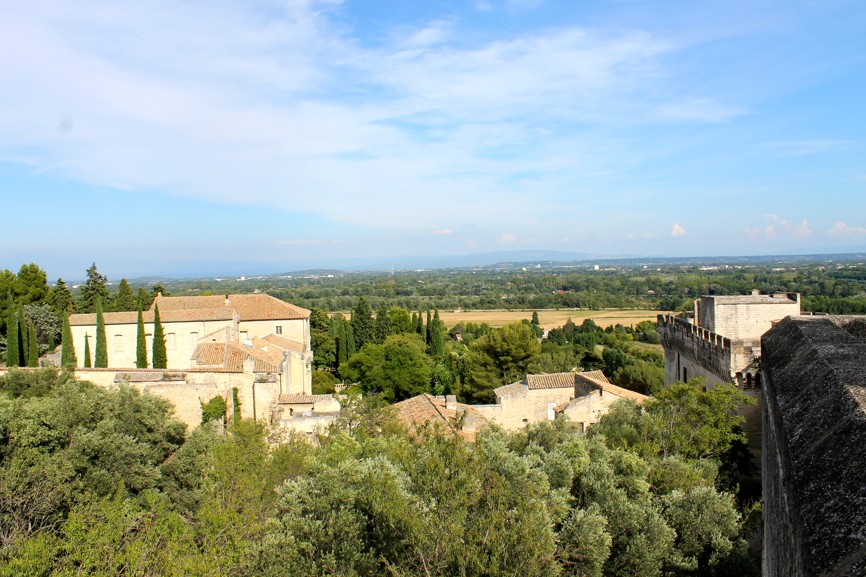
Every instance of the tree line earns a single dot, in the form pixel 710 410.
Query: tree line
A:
pixel 399 354
pixel 106 482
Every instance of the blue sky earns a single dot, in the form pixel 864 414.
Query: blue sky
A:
pixel 161 137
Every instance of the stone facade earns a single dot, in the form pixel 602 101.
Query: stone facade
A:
pixel 539 398
pixel 272 332
pixel 814 447
pixel 723 340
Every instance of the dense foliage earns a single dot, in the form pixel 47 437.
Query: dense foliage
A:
pixel 104 482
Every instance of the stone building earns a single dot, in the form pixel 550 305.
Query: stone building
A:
pixel 441 411
pixel 814 447
pixel 583 396
pixel 722 341
pixel 214 333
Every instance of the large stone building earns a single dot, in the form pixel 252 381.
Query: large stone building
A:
pixel 231 333
pixel 584 397
pixel 722 341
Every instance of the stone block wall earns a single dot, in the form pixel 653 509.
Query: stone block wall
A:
pixel 814 447
pixel 701 352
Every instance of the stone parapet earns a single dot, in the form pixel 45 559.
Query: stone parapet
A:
pixel 814 447
pixel 708 349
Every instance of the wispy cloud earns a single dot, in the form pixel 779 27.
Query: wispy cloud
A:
pixel 507 238
pixel 443 232
pixel 677 230
pixel 841 228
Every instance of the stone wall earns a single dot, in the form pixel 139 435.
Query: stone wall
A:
pixel 814 447
pixel 699 351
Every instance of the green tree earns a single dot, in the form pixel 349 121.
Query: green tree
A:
pixel 140 343
pixel 160 359
pixel 436 328
pixel 324 345
pixel 13 357
pixel 46 323
pixel 32 347
pixel 397 369
pixel 687 420
pixel 124 299
pixel 213 410
pixel 87 362
pixel 101 354
pixel 362 324
pixel 93 289
pixel 61 298
pixel 382 324
pixel 67 348
pixel 503 356
pixel 31 284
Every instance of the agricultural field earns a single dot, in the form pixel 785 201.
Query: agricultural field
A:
pixel 549 319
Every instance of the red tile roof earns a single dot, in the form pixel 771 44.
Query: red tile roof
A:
pixel 249 307
pixel 175 316
pixel 423 409
pixel 231 356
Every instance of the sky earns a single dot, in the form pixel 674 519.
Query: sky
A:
pixel 175 137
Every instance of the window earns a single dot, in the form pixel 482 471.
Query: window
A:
pixel 279 329
pixel 170 341
pixel 193 339
pixel 118 343
pixel 244 336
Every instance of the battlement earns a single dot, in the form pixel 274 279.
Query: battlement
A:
pixel 706 348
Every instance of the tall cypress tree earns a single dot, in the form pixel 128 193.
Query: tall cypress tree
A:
pixel 101 356
pixel 23 339
pixel 362 323
pixel 32 347
pixel 419 324
pixel 140 343
pixel 428 336
pixel 382 324
pixel 124 300
pixel 159 355
pixel 87 363
pixel 12 332
pixel 437 336
pixel 67 349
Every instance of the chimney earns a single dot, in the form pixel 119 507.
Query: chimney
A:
pixel 756 292
pixel 451 402
pixel 228 301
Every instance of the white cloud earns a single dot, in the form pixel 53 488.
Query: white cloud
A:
pixel 677 230
pixel 841 228
pixel 507 238
pixel 443 232
pixel 802 229
pixel 770 231
pixel 753 232
pixel 776 219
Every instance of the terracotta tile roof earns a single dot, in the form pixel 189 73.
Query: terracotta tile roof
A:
pixel 558 380
pixel 512 389
pixel 231 356
pixel 280 343
pixel 423 409
pixel 131 317
pixel 303 399
pixel 249 307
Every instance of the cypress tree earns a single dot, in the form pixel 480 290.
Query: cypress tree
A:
pixel 87 363
pixel 351 345
pixel 419 324
pixel 23 339
pixel 437 336
pixel 67 349
pixel 12 332
pixel 101 355
pixel 32 347
pixel 140 343
pixel 362 323
pixel 428 336
pixel 124 300
pixel 159 355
